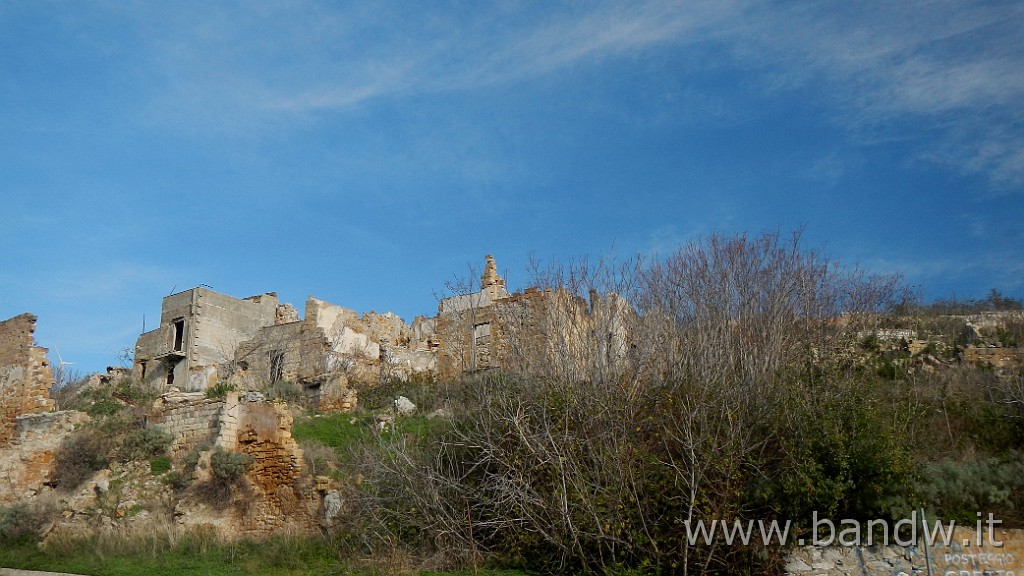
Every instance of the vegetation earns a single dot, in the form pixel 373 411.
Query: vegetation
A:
pixel 740 397
pixel 116 433
pixel 220 390
pixel 226 471
pixel 759 380
pixel 169 551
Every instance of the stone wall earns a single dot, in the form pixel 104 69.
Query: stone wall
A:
pixel 25 374
pixel 275 497
pixel 1008 360
pixel 264 433
pixel 27 462
pixel 191 418
pixel 966 555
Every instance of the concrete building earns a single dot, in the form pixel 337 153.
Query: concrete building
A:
pixel 198 334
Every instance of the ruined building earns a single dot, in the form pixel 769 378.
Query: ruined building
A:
pixel 30 431
pixel 205 337
pixel 25 374
pixel 550 331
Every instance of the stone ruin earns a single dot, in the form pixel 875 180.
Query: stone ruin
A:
pixel 257 342
pixel 328 353
pixel 31 433
pixel 25 374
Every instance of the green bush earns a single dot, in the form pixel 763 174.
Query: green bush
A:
pixel 957 490
pixel 160 465
pixel 178 480
pixel 144 443
pixel 220 390
pixel 191 459
pixel 228 467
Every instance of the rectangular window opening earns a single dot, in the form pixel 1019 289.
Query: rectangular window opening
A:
pixel 179 334
pixel 276 366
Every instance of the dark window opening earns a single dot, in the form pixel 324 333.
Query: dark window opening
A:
pixel 179 334
pixel 142 366
pixel 276 366
pixel 170 375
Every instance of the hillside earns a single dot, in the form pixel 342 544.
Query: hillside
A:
pixel 739 378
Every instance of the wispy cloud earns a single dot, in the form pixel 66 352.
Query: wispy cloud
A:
pixel 950 65
pixel 954 65
pixel 305 58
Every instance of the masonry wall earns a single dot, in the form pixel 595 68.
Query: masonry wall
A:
pixel 25 374
pixel 965 555
pixel 192 421
pixel 27 463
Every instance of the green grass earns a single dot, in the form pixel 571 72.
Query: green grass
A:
pixel 344 431
pixel 334 430
pixel 275 556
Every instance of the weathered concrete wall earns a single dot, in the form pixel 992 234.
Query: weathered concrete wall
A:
pixel 961 557
pixel 199 332
pixel 222 322
pixel 25 374
pixel 295 352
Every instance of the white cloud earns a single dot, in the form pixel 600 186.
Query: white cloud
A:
pixel 951 66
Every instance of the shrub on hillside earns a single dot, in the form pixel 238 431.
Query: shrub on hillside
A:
pixel 143 443
pixel 226 472
pixel 20 523
pixel 958 490
pixel 228 466
pixel 80 455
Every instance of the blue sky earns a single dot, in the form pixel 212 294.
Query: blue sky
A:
pixel 366 152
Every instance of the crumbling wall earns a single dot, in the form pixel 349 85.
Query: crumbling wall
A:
pixel 28 461
pixel 294 352
pixel 191 418
pixel 25 374
pixel 275 497
pixel 1008 361
pixel 352 347
pixel 264 433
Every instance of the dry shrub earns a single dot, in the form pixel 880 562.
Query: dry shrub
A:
pixel 681 389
